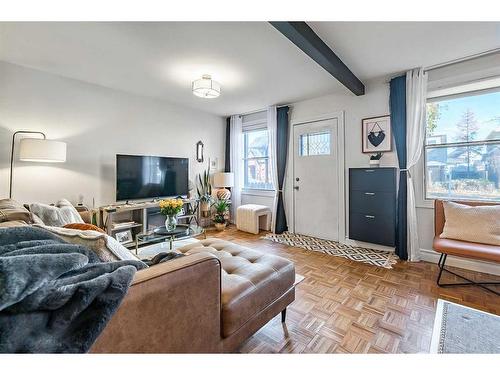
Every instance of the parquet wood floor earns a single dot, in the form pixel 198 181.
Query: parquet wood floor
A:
pixel 344 306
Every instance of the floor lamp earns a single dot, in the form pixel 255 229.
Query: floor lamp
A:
pixel 36 150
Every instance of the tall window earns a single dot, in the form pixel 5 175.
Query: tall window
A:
pixel 256 159
pixel 462 147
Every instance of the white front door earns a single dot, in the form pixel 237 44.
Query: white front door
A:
pixel 316 179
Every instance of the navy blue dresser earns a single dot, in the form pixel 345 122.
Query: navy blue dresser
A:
pixel 372 205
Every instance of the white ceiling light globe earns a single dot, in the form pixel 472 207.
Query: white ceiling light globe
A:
pixel 206 87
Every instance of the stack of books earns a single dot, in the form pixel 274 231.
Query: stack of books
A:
pixel 123 224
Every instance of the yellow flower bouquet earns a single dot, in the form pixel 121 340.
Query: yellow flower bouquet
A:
pixel 171 207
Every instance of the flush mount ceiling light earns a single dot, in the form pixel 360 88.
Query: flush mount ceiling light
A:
pixel 206 87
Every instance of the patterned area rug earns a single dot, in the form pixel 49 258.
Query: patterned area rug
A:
pixel 359 254
pixel 461 329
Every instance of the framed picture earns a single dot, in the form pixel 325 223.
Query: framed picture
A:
pixel 376 134
pixel 214 164
pixel 124 237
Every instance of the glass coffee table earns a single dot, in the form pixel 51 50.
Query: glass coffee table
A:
pixel 160 234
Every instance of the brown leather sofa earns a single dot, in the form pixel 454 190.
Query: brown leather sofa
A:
pixel 210 301
pixel 472 250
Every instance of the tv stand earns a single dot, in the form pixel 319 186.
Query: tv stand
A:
pixel 133 217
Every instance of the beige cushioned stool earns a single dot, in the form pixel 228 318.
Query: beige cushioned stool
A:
pixel 252 217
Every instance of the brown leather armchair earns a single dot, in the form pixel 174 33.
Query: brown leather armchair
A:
pixel 471 250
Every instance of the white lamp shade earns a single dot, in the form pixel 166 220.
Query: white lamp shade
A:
pixel 206 87
pixel 42 150
pixel 222 180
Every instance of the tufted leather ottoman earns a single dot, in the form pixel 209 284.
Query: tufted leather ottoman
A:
pixel 251 281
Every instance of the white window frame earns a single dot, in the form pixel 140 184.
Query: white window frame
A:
pixel 482 87
pixel 250 127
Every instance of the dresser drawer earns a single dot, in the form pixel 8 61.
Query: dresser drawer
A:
pixel 372 179
pixel 378 229
pixel 372 202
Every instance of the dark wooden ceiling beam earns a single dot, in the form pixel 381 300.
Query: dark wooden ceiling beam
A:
pixel 300 34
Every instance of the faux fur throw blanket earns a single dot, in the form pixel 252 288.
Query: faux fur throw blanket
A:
pixel 55 297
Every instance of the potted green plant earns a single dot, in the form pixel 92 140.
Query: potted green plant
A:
pixel 221 214
pixel 204 190
pixel 375 159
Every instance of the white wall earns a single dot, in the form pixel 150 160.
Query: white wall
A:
pixel 96 123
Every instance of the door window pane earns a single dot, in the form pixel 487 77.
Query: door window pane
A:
pixel 314 144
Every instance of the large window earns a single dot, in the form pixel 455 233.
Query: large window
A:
pixel 257 169
pixel 462 147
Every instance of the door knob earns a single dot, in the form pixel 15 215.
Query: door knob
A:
pixel 296 187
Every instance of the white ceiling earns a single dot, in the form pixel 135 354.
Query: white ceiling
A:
pixel 377 49
pixel 255 64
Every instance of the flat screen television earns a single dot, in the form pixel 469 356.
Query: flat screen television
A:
pixel 148 177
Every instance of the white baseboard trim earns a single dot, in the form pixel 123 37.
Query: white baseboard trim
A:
pixel 468 264
pixel 373 246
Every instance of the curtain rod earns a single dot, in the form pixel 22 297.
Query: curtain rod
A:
pixel 463 59
pixel 451 62
pixel 261 110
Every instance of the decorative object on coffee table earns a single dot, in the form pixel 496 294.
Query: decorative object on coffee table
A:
pixel 171 208
pixel 375 159
pixel 204 190
pixel 221 214
pixel 223 180
pixel 376 134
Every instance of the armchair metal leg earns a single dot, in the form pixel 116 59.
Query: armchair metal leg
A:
pixel 441 267
pixel 481 284
pixel 283 316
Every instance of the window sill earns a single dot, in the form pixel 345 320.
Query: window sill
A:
pixel 425 203
pixel 429 203
pixel 259 192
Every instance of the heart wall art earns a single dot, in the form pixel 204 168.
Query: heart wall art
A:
pixel 377 136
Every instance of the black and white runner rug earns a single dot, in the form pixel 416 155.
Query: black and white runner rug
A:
pixel 378 258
